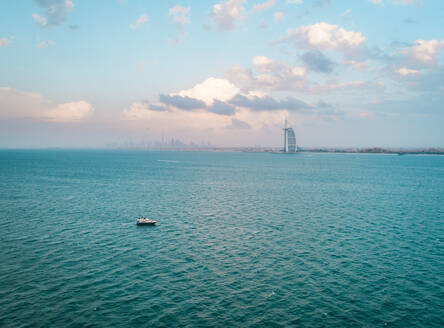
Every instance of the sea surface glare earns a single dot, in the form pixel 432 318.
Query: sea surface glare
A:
pixel 243 239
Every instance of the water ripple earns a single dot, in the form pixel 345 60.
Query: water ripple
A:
pixel 252 240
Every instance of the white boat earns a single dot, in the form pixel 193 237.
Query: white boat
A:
pixel 145 221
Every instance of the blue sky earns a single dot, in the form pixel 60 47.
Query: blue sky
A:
pixel 77 73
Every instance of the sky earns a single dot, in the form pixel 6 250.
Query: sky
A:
pixel 361 73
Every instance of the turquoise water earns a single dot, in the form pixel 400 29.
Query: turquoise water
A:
pixel 243 239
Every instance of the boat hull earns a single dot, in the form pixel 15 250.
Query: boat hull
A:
pixel 146 223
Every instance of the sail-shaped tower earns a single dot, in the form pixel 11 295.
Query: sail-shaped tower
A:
pixel 289 140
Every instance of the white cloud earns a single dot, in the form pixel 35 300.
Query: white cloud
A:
pixel 295 2
pixel 17 104
pixel 323 36
pixel 44 44
pixel 268 74
pixel 377 2
pixel 70 112
pixel 425 50
pixel 407 71
pixel 56 12
pixel 181 16
pixel 264 6
pixel 278 16
pixel 226 13
pixel 211 89
pixel 142 19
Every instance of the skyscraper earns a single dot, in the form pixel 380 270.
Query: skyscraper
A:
pixel 289 140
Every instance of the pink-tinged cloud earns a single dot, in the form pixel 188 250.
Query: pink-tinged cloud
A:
pixel 404 71
pixel 141 20
pixel 17 104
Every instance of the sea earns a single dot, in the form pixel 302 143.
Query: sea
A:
pixel 242 239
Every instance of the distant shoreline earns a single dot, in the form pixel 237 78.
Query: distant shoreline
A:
pixel 277 150
pixel 271 150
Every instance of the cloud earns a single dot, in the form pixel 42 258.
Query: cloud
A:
pixel 210 109
pixel 323 36
pixel 210 95
pixel 268 103
pixel 264 6
pixel 356 64
pixel 141 111
pixel 40 20
pixel 182 102
pixel 317 61
pixel 211 89
pixel 213 103
pixel 278 16
pixel 20 104
pixel 4 42
pixel 188 109
pixel 16 104
pixel 238 124
pixel 45 44
pixel 141 20
pixel 181 16
pixel 226 13
pixel 157 108
pixel 424 51
pixel 70 112
pixel 294 2
pixel 407 71
pixel 221 108
pixel 268 74
pixel 56 12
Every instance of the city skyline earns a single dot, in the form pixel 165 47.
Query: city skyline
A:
pixel 87 74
